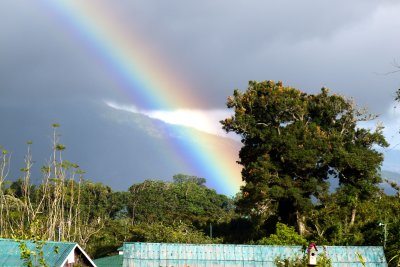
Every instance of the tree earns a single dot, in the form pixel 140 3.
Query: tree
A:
pixel 183 178
pixel 285 235
pixel 186 199
pixel 178 232
pixel 293 142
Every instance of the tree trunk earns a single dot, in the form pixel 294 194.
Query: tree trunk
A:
pixel 301 227
pixel 353 215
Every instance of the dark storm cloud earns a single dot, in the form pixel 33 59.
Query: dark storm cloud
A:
pixel 216 45
pixel 221 45
pixel 43 62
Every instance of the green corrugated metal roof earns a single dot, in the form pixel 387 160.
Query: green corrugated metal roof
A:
pixel 162 254
pixel 348 255
pixel 10 253
pixel 111 261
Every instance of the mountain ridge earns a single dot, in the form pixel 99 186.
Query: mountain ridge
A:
pixel 105 142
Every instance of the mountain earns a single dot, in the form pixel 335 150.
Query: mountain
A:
pixel 391 177
pixel 115 147
pixel 390 170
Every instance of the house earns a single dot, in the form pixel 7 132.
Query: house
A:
pixel 55 254
pixel 199 255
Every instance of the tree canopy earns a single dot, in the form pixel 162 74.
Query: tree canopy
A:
pixel 293 142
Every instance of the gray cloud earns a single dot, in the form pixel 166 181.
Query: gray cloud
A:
pixel 41 62
pixel 221 45
pixel 216 46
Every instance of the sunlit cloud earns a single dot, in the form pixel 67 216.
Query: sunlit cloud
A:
pixel 202 120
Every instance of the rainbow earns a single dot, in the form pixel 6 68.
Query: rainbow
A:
pixel 149 82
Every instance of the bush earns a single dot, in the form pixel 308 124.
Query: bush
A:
pixel 285 235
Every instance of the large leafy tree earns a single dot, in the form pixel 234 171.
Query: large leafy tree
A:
pixel 186 199
pixel 293 142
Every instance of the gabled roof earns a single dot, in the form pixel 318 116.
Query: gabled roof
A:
pixel 55 253
pixel 161 254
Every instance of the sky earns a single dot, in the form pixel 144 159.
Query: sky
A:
pixel 178 61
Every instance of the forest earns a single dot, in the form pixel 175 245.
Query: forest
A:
pixel 295 146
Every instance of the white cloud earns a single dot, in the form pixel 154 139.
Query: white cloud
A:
pixel 391 121
pixel 202 120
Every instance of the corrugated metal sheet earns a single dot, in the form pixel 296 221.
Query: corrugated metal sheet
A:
pixel 156 254
pixel 10 253
pixel 179 255
pixel 110 261
pixel 342 256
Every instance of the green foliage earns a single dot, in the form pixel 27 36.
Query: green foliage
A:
pixel 324 261
pixel 32 257
pixel 302 261
pixel 186 200
pixel 297 261
pixel 60 147
pixel 361 259
pixel 183 178
pixel 292 262
pixel 110 238
pixel 292 141
pixel 285 235
pixel 175 233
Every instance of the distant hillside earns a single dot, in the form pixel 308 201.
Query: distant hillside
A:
pixel 114 147
pixel 391 162
pixel 391 176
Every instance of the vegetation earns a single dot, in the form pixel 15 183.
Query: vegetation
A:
pixel 323 261
pixel 67 207
pixel 293 142
pixel 295 145
pixel 285 236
